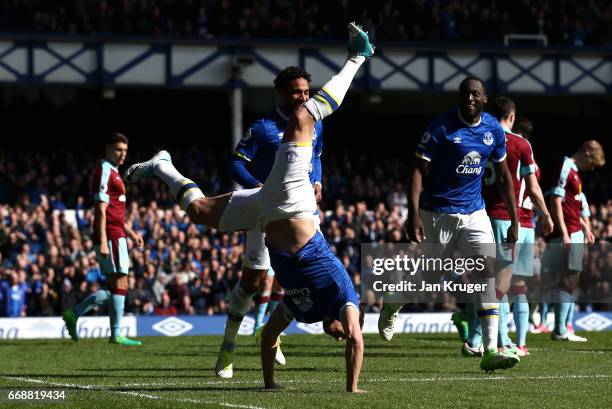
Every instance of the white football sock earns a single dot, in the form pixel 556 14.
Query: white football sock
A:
pixel 488 312
pixel 239 304
pixel 183 190
pixel 329 98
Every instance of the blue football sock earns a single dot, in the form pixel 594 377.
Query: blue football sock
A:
pixel 97 298
pixel 520 311
pixel 475 329
pixel 272 306
pixel 570 314
pixel 562 306
pixel 504 313
pixel 261 314
pixel 117 301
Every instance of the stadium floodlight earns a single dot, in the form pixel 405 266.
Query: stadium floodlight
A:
pixel 541 39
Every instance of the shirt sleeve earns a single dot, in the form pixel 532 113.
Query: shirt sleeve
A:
pixel 240 174
pixel 559 189
pixel 585 211
pixel 249 144
pixel 499 151
pixel 528 165
pixel 100 185
pixel 430 142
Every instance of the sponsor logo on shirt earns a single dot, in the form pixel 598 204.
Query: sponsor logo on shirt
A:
pixel 467 164
pixel 301 298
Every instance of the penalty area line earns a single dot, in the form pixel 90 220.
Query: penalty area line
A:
pixel 103 388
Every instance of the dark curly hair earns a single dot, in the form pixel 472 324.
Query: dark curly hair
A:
pixel 284 78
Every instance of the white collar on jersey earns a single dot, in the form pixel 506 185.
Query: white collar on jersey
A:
pixel 466 123
pixel 113 167
pixel 282 114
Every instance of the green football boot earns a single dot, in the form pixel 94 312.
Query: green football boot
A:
pixel 70 319
pixel 493 360
pixel 461 324
pixel 359 42
pixel 124 341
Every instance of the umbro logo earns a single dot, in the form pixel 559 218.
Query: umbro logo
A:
pixel 457 139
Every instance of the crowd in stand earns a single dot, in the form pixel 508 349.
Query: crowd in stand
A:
pixel 569 22
pixel 47 260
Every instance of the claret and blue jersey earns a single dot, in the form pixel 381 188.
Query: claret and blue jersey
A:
pixel 259 145
pixel 458 153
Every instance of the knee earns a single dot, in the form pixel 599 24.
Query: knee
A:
pixel 198 209
pixel 251 279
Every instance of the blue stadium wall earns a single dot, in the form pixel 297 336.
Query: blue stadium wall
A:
pixel 113 63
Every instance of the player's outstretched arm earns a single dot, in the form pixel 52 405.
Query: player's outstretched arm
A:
pixel 354 348
pixel 269 344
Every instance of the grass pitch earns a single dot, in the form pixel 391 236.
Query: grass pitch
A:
pixel 413 371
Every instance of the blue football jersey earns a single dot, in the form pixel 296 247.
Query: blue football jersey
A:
pixel 262 139
pixel 457 152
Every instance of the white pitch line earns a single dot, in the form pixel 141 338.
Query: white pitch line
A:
pixel 376 380
pixel 138 394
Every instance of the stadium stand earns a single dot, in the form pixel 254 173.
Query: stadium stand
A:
pixel 46 249
pixel 570 22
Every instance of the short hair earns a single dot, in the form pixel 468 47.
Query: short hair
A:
pixel 594 152
pixel 503 107
pixel 115 137
pixel 473 78
pixel 523 126
pixel 284 78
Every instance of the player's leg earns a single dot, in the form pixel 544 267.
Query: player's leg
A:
pixel 503 266
pixel 256 262
pixel 520 303
pixel 118 286
pixel 569 322
pixel 71 315
pixel 234 211
pixel 477 241
pixel 270 340
pixel 262 298
pixel 329 98
pixel 473 345
pixel 565 291
pixel 277 293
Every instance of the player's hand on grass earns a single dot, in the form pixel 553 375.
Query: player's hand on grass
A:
pixel 104 251
pixel 414 228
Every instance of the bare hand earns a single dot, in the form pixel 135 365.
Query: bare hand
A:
pixel 318 191
pixel 138 240
pixel 414 229
pixel 511 238
pixel 548 225
pixel 567 242
pixel 590 237
pixel 104 251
